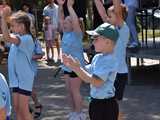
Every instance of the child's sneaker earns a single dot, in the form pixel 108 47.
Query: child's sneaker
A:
pixel 77 116
pixel 82 116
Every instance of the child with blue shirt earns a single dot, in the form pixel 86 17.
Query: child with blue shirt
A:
pixel 72 44
pixel 38 54
pixel 20 68
pixel 5 103
pixel 100 74
pixel 116 15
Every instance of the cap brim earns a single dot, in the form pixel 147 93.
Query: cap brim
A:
pixel 92 33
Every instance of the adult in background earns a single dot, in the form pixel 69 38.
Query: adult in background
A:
pixel 131 22
pixel 51 10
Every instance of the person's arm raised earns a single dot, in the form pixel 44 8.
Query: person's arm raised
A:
pixel 61 13
pixel 101 10
pixel 6 34
pixel 74 17
pixel 118 12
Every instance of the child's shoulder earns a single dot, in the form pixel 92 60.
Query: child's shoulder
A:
pixel 2 80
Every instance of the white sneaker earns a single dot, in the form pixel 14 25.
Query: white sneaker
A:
pixel 82 116
pixel 72 116
pixel 77 116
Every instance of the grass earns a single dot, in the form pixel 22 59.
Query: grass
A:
pixel 149 33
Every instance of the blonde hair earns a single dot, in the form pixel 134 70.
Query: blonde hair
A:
pixel 22 17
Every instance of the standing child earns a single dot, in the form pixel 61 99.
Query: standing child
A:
pixel 100 73
pixel 21 52
pixel 51 10
pixel 49 36
pixel 5 103
pixel 38 54
pixel 72 44
pixel 116 15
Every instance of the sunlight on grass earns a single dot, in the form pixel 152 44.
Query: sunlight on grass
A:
pixel 149 33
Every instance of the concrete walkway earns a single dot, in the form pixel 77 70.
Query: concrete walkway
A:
pixel 141 101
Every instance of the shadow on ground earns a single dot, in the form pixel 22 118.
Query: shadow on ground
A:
pixel 141 99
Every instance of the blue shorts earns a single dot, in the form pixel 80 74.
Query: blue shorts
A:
pixel 120 83
pixel 71 74
pixel 21 91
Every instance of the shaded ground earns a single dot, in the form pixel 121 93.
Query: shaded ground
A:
pixel 141 102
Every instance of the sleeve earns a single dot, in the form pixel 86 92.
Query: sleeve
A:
pixel 105 70
pixel 38 48
pixel 26 42
pixel 88 68
pixel 45 13
pixel 2 101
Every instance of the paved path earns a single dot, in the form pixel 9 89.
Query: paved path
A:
pixel 141 101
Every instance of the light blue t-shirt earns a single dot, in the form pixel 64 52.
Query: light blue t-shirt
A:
pixel 72 45
pixel 5 101
pixel 37 51
pixel 120 48
pixel 52 11
pixel 104 66
pixel 20 67
pixel 131 3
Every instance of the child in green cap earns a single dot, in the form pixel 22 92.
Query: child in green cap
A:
pixel 100 74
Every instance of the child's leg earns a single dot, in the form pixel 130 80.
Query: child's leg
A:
pixel 52 51
pixel 58 46
pixel 47 50
pixel 75 84
pixel 23 107
pixel 16 105
pixel 35 98
pixel 69 95
pixel 50 44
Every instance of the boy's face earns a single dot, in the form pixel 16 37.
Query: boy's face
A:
pixel 102 44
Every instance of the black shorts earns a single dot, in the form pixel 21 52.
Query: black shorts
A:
pixel 71 74
pixel 21 91
pixel 103 109
pixel 120 83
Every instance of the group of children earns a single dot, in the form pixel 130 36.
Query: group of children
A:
pixel 106 74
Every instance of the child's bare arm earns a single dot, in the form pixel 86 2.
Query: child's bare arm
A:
pixel 60 14
pixel 73 15
pixel 118 11
pixel 101 10
pixel 2 114
pixel 7 36
pixel 83 74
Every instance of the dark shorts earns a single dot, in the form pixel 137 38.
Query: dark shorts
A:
pixel 21 91
pixel 103 109
pixel 71 74
pixel 120 83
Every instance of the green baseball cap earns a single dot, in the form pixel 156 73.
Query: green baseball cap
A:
pixel 106 30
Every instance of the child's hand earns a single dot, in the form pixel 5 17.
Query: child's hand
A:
pixel 70 62
pixel 61 2
pixel 70 3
